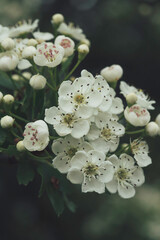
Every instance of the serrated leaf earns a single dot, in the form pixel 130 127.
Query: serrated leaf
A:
pixel 25 173
pixel 56 199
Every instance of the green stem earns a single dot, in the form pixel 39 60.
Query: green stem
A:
pixel 19 127
pixel 34 103
pixel 50 86
pixel 135 132
pixel 40 159
pixel 53 138
pixel 14 134
pixel 73 69
pixel 18 117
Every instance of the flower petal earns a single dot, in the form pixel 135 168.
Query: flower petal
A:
pixel 75 176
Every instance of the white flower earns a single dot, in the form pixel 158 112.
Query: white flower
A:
pixel 142 99
pixel 158 122
pixel 8 99
pixel 72 31
pixel 65 149
pixel 8 61
pixel 126 176
pixel 45 36
pixel 137 116
pixel 23 28
pixel 4 33
pixel 20 146
pixel 8 44
pixel 57 18
pixel 83 95
pixel 67 43
pixel 152 129
pixel 38 82
pixel 105 135
pixel 48 54
pixel 91 170
pixel 29 52
pixel 36 136
pixel 7 122
pixel 112 73
pixel 66 123
pixel 140 151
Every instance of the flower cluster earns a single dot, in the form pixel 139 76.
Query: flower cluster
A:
pixel 78 126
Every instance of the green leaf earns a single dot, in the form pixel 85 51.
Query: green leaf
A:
pixel 56 199
pixel 25 173
pixel 5 81
pixel 2 136
pixel 11 151
pixel 71 205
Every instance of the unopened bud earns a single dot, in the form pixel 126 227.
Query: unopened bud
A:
pixel 7 122
pixel 86 42
pixel 83 50
pixel 112 73
pixel 38 82
pixel 8 99
pixel 16 77
pixel 32 42
pixel 57 18
pixel 131 98
pixel 28 52
pixel 8 43
pixel 20 146
pixel 152 129
pixel 27 75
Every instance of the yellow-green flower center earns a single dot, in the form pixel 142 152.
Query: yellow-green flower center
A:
pixel 91 169
pixel 71 152
pixel 122 174
pixel 106 133
pixel 79 99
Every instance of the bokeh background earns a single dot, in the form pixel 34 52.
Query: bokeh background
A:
pixel 125 32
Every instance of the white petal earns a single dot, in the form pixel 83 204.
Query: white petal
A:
pixel 112 186
pixel 84 112
pixel 66 104
pixel 93 186
pixel 43 36
pixel 24 64
pixel 114 160
pixel 126 191
pixel 100 145
pixel 75 176
pixel 97 157
pixel 80 128
pixel 58 146
pixel 94 133
pixel 95 99
pixel 62 129
pixel 107 172
pixel 61 162
pixel 143 160
pixel 106 104
pixel 126 161
pixel 52 115
pixel 137 178
pixel 113 144
pixel 117 106
pixel 79 160
pixel 65 88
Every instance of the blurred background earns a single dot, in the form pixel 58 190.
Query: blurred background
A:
pixel 125 32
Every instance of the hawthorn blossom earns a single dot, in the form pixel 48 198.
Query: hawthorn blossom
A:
pixel 23 28
pixel 142 99
pixel 137 116
pixel 105 133
pixel 83 95
pixel 4 33
pixel 91 170
pixel 36 136
pixel 8 61
pixel 67 43
pixel 127 176
pixel 112 73
pixel 65 149
pixel 66 123
pixel 48 54
pixel 140 151
pixel 72 31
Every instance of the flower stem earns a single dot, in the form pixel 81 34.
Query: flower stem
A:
pixel 40 159
pixel 34 103
pixel 73 69
pixel 50 86
pixel 18 117
pixel 135 132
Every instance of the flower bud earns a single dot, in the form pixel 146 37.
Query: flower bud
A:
pixel 28 52
pixel 38 82
pixel 8 61
pixel 131 98
pixel 32 42
pixel 16 77
pixel 57 18
pixel 112 73
pixel 152 129
pixel 1 97
pixel 158 120
pixel 8 99
pixel 7 121
pixel 8 44
pixel 27 75
pixel 20 146
pixel 83 50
